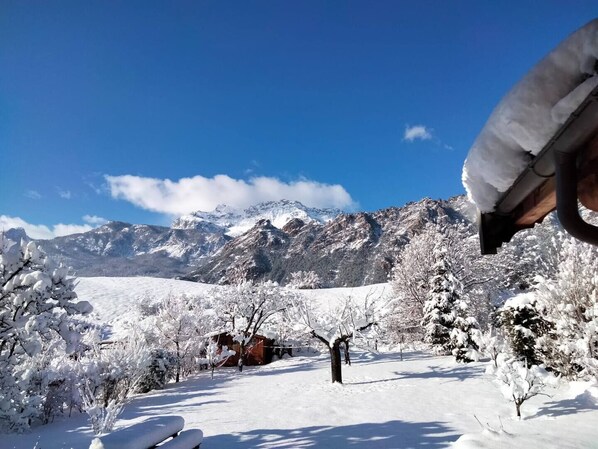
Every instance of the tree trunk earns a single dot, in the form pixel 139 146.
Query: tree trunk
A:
pixel 518 408
pixel 335 362
pixel 178 363
pixel 241 354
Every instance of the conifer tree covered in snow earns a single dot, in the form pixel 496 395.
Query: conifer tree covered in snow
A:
pixel 479 278
pixel 37 303
pixel 463 335
pixel 440 308
pixel 524 322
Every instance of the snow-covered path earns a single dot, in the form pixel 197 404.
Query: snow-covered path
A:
pixel 422 401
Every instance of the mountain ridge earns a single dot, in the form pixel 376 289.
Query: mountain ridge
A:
pixel 344 249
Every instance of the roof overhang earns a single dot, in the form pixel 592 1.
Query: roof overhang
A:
pixel 567 168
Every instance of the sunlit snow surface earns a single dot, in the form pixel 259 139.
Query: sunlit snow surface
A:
pixel 529 115
pixel 422 401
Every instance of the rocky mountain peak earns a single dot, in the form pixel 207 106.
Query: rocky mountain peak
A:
pixel 235 222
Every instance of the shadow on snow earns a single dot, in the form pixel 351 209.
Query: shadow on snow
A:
pixel 581 403
pixel 459 373
pixel 388 435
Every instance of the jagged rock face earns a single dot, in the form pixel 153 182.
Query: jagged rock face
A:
pixel 343 249
pixel 350 250
pixel 122 249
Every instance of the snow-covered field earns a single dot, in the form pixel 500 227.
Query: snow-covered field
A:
pixel 422 401
pixel 115 297
pixel 385 402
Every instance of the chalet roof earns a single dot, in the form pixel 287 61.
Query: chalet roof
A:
pixel 538 142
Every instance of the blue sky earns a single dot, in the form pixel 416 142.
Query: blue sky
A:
pixel 131 110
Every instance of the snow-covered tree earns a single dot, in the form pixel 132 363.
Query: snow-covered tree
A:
pixel 519 381
pixel 414 270
pixel 305 280
pixel 570 303
pixel 490 343
pixel 161 368
pixel 178 326
pixel 37 304
pixel 334 323
pixel 244 309
pixel 523 320
pixel 463 336
pixel 440 308
pixel 215 355
pixel 410 281
pixel 109 373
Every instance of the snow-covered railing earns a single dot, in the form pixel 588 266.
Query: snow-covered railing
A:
pixel 151 432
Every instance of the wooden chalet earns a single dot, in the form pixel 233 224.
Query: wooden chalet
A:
pixel 259 351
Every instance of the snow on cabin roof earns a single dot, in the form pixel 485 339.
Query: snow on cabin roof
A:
pixel 529 115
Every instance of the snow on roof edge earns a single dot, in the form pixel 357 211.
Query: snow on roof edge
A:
pixel 529 115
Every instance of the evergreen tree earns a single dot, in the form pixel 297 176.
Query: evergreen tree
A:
pixel 465 348
pixel 440 307
pixel 523 321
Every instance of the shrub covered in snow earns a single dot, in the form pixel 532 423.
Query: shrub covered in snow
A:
pixel 161 368
pixel 491 344
pixel 305 280
pixel 215 355
pixel 110 372
pixel 520 381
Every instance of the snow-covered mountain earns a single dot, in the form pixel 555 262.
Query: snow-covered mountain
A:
pixel 350 250
pixel 236 222
pixel 267 241
pixel 135 250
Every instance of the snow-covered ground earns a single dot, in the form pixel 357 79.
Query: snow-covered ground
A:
pixel 422 401
pixel 385 402
pixel 116 297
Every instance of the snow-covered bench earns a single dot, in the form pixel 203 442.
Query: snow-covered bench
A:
pixel 150 433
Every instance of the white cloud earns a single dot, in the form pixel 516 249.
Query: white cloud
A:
pixel 42 231
pixel 33 194
pixel 94 220
pixel 67 229
pixel 417 132
pixel 65 194
pixel 200 193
